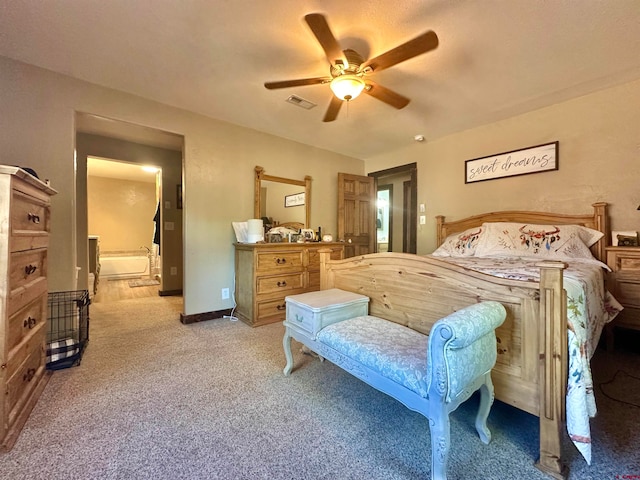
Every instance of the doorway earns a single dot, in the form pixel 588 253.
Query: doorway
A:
pixel 397 199
pixel 124 234
pixel 384 218
pixel 135 146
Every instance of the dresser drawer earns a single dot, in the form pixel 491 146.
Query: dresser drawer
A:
pixel 280 283
pixel 627 292
pixel 27 267
pixel 29 222
pixel 270 311
pixel 279 261
pixel 24 322
pixel 23 381
pixel 22 351
pixel 628 263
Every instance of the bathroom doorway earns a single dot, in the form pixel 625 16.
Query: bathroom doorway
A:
pixel 123 201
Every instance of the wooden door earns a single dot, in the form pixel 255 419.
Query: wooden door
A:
pixel 356 214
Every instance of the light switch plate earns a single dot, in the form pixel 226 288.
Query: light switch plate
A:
pixel 422 209
pixel 423 219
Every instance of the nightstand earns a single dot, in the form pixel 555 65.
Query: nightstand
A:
pixel 624 284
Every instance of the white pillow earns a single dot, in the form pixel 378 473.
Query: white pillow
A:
pixel 552 242
pixel 460 244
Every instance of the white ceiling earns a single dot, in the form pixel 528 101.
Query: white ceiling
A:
pixel 496 58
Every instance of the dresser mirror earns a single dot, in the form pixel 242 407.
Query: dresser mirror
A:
pixel 284 200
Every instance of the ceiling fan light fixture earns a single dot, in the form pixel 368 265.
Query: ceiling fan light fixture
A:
pixel 347 87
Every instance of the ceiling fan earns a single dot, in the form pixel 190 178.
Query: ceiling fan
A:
pixel 349 72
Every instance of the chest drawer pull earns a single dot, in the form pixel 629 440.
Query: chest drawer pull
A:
pixel 30 322
pixel 282 284
pixel 33 217
pixel 282 307
pixel 281 261
pixel 29 269
pixel 27 377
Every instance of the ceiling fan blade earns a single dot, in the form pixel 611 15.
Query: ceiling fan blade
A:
pixel 320 28
pixel 385 95
pixel 296 83
pixel 419 45
pixel 332 111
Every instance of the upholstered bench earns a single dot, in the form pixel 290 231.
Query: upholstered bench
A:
pixel 431 374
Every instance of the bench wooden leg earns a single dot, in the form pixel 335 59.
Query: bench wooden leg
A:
pixel 486 400
pixel 440 442
pixel 286 343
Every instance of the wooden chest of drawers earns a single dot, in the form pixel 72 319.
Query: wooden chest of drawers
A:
pixel 624 284
pixel 267 272
pixel 24 238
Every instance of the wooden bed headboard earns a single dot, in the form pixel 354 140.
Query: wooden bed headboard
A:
pixel 598 220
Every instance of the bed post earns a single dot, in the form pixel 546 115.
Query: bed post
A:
pixel 602 223
pixel 439 234
pixel 553 368
pixel 326 279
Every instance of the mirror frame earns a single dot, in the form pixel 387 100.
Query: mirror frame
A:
pixel 306 183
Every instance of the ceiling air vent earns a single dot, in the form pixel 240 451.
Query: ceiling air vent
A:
pixel 301 102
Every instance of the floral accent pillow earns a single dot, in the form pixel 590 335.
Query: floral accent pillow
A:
pixel 460 244
pixel 552 242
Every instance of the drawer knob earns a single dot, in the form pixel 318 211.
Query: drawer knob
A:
pixel 28 376
pixel 30 322
pixel 282 307
pixel 33 217
pixel 282 284
pixel 281 261
pixel 29 269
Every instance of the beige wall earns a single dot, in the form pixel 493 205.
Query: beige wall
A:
pixel 37 130
pixel 121 213
pixel 599 149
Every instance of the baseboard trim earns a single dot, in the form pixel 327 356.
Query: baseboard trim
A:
pixel 169 293
pixel 202 317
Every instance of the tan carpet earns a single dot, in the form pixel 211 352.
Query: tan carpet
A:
pixel 155 399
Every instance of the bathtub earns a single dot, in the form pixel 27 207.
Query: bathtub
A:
pixel 119 265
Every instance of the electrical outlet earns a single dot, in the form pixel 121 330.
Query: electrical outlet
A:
pixel 174 270
pixel 225 293
pixel 423 220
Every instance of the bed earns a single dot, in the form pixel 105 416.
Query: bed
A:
pixel 540 335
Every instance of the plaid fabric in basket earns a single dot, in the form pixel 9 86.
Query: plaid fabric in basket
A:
pixel 61 349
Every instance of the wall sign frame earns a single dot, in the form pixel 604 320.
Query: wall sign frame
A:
pixel 294 200
pixel 539 158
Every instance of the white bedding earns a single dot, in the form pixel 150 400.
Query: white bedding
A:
pixel 589 308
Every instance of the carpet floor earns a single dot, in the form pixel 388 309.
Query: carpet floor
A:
pixel 155 399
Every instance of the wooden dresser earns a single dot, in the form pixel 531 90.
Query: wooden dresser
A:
pixel 267 272
pixel 624 284
pixel 24 238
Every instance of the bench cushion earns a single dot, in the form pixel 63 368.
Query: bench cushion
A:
pixel 392 350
